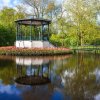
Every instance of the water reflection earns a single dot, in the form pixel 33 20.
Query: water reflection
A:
pixel 81 81
pixel 36 72
pixel 70 77
pixel 33 74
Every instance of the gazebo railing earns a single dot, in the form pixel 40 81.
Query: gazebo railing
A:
pixel 21 38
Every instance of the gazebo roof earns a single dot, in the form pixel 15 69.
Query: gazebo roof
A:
pixel 33 21
pixel 32 80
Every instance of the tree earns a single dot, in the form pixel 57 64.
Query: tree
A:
pixel 77 24
pixel 83 16
pixel 7 25
pixel 43 8
pixel 20 12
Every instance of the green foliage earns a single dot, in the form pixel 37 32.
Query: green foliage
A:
pixel 7 25
pixel 55 40
pixel 78 26
pixel 7 36
pixel 74 25
pixel 96 42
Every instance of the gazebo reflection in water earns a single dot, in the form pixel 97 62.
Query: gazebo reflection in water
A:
pixel 37 78
pixel 32 71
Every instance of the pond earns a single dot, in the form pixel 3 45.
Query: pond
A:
pixel 68 77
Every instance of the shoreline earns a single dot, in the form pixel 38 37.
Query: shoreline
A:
pixel 12 50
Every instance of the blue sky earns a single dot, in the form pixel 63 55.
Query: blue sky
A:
pixel 10 3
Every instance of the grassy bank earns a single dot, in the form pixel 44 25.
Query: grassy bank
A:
pixel 34 51
pixel 91 48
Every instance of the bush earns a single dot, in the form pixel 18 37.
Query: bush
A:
pixel 96 42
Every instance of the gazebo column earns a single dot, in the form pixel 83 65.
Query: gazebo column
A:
pixel 48 32
pixel 42 31
pixel 21 34
pixel 31 31
pixel 20 31
pixel 39 35
pixel 25 33
pixel 34 33
pixel 17 31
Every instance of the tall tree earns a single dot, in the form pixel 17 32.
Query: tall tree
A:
pixel 83 16
pixel 7 25
pixel 43 8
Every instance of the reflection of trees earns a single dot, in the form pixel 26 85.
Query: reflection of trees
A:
pixel 7 70
pixel 82 84
pixel 78 76
pixel 42 92
pixel 77 73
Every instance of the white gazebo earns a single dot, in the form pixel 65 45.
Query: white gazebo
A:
pixel 32 33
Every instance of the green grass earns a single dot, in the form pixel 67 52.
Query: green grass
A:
pixel 87 47
pixel 94 49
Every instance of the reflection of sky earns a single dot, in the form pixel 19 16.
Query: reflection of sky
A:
pixel 9 92
pixel 9 89
pixel 97 97
pixel 59 95
pixel 29 70
pixel 68 74
pixel 5 96
pixel 97 74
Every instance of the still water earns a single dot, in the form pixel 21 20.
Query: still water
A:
pixel 70 77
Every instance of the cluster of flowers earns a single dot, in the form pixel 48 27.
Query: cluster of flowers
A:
pixel 12 50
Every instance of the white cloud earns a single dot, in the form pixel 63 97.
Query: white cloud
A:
pixel 8 3
pixel 4 3
pixel 15 2
pixel 9 89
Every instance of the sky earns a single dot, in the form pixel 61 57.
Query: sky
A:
pixel 12 3
pixel 9 3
